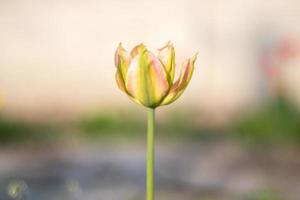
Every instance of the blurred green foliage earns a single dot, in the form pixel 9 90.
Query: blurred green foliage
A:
pixel 124 124
pixel 111 124
pixel 15 131
pixel 265 195
pixel 276 122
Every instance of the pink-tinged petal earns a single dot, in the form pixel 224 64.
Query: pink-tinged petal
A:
pixel 146 79
pixel 122 60
pixel 139 49
pixel 122 87
pixel 166 55
pixel 179 86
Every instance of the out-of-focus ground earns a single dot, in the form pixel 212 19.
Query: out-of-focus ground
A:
pixel 102 156
pixel 67 132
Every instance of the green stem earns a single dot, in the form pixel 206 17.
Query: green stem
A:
pixel 150 154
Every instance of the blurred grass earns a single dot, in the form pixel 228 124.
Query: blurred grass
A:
pixel 16 131
pixel 276 122
pixel 265 195
pixel 109 123
pixel 123 124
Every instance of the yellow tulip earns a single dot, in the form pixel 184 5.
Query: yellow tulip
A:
pixel 148 78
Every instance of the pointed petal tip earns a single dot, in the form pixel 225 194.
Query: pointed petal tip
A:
pixel 169 44
pixel 120 47
pixel 194 57
pixel 138 49
pixel 141 45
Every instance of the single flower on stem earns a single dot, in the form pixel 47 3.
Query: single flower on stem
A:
pixel 148 79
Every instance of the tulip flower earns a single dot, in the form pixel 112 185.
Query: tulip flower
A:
pixel 148 79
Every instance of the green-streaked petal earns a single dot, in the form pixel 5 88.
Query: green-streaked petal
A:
pixel 122 60
pixel 166 55
pixel 146 79
pixel 122 87
pixel 137 50
pixel 120 81
pixel 179 86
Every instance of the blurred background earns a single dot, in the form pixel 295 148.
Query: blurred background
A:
pixel 68 133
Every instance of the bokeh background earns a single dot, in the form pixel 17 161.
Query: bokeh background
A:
pixel 67 132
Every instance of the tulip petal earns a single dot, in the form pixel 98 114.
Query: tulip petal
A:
pixel 137 50
pixel 122 60
pixel 166 55
pixel 179 86
pixel 147 79
pixel 120 81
